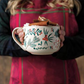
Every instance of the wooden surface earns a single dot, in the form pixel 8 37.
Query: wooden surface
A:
pixel 5 65
pixel 80 62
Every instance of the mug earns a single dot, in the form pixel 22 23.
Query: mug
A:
pixel 40 40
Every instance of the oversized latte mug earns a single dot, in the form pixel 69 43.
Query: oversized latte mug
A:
pixel 40 40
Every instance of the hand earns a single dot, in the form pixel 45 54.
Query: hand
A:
pixel 21 34
pixel 62 34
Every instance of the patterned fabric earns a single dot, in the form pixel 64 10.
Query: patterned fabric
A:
pixel 44 69
pixel 61 72
pixel 73 46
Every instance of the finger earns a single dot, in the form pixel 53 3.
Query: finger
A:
pixel 62 32
pixel 62 38
pixel 22 34
pixel 61 27
pixel 19 30
pixel 61 44
pixel 21 39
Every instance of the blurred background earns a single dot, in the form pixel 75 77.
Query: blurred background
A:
pixel 5 66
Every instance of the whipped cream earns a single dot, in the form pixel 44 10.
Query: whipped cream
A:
pixel 27 24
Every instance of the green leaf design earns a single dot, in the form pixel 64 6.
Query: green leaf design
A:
pixel 45 31
pixel 57 33
pixel 33 31
pixel 33 45
pixel 49 35
pixel 38 31
pixel 40 43
pixel 29 42
pixel 50 38
pixel 46 43
pixel 35 39
pixel 24 43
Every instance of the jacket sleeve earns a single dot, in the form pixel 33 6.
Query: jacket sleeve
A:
pixel 7 46
pixel 73 46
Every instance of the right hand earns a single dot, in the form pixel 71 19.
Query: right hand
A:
pixel 62 35
pixel 21 34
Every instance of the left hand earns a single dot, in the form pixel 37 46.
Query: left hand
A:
pixel 62 34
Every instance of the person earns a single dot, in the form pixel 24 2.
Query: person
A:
pixel 58 68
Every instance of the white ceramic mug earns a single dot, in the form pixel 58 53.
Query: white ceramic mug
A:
pixel 40 40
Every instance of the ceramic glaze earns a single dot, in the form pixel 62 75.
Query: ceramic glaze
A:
pixel 40 40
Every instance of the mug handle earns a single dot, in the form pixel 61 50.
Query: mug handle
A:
pixel 15 39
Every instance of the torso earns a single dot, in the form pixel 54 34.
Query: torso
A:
pixel 44 69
